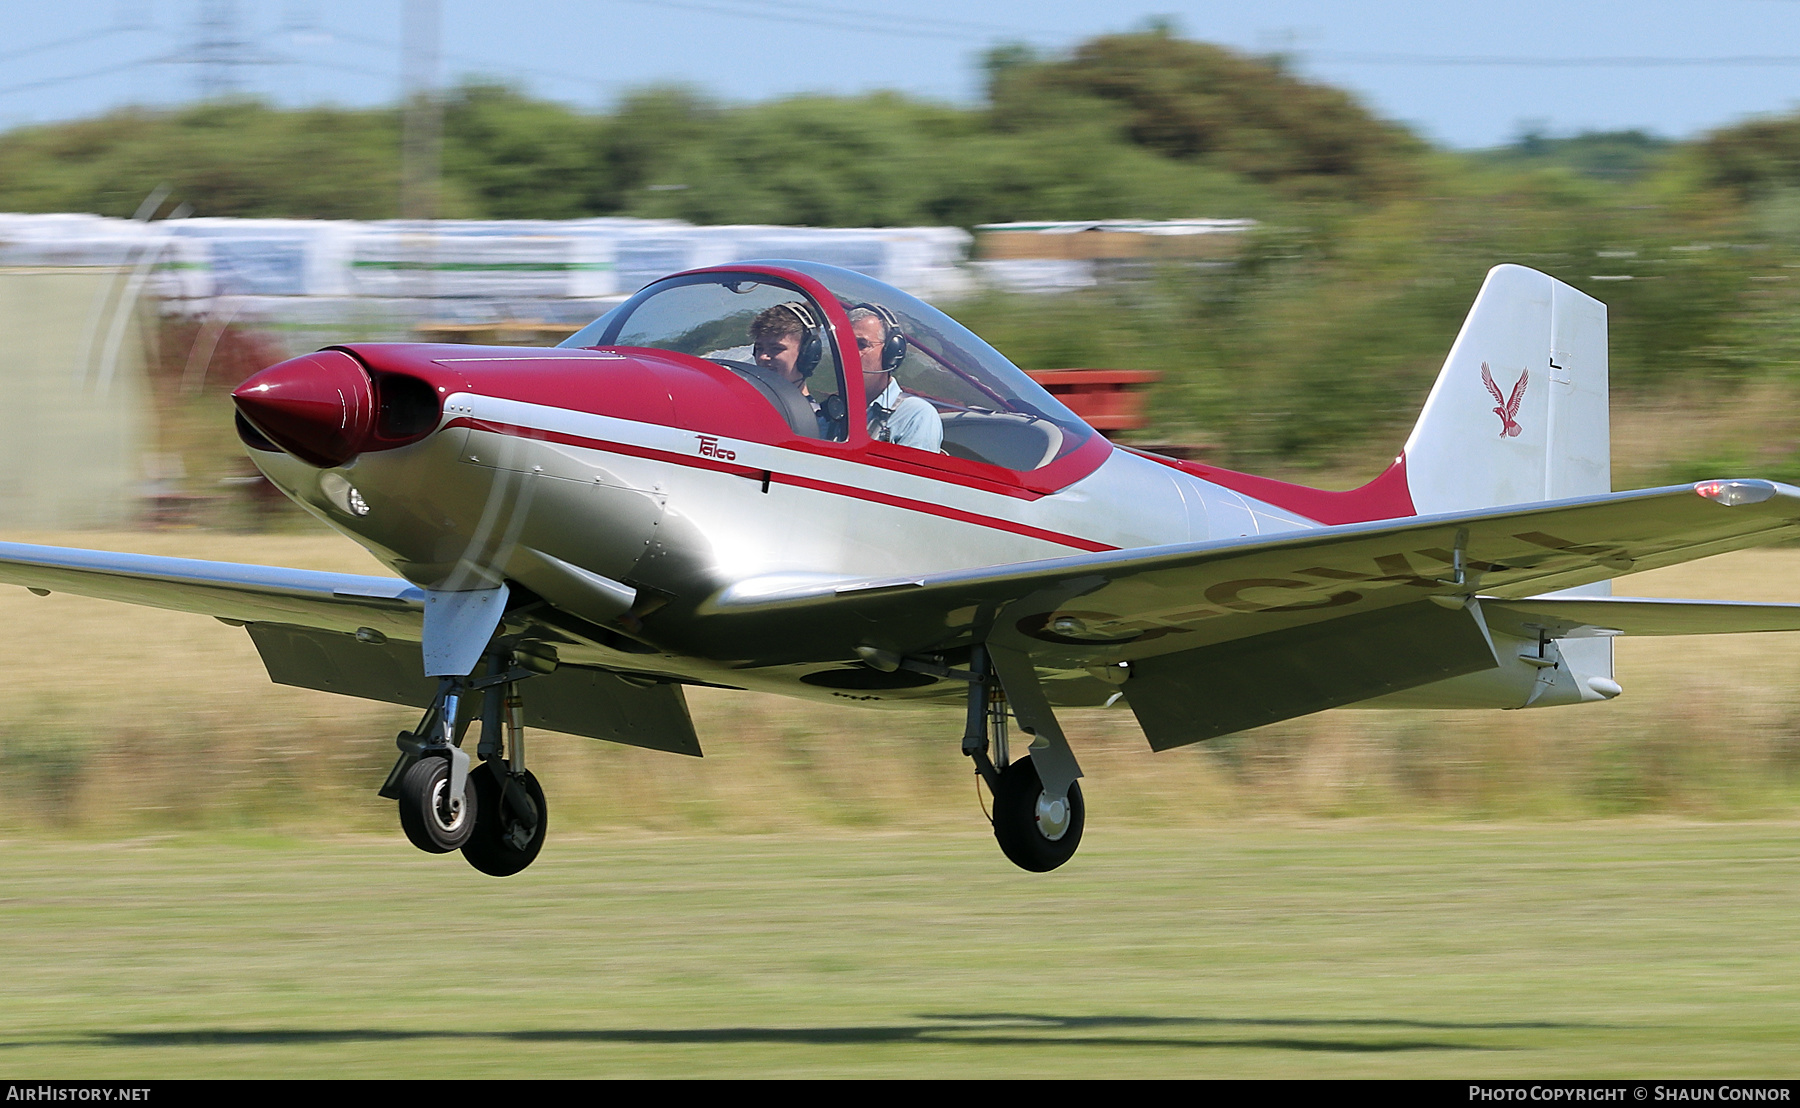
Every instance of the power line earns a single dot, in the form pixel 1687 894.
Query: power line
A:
pixel 470 59
pixel 885 23
pixel 843 20
pixel 219 50
pixel 47 82
pixel 353 70
pixel 72 40
pixel 222 49
pixel 1529 61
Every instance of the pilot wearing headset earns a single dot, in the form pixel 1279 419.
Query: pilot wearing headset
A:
pixel 895 415
pixel 785 340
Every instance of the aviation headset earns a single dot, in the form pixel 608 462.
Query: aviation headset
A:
pixel 811 349
pixel 893 346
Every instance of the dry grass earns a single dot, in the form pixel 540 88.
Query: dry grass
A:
pixel 1753 431
pixel 118 718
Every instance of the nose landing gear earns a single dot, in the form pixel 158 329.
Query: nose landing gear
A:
pixel 436 819
pixel 494 812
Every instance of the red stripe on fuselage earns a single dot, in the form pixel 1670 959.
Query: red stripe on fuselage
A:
pixel 1388 496
pixel 696 462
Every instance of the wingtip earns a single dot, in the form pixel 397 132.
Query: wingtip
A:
pixel 1736 492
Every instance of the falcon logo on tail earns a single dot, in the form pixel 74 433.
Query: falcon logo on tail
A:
pixel 1509 406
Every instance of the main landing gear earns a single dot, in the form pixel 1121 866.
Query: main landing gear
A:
pixel 493 811
pixel 1037 826
pixel 1034 831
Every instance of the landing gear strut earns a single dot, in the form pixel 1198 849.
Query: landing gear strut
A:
pixel 512 815
pixel 1036 831
pixel 430 782
pixel 494 812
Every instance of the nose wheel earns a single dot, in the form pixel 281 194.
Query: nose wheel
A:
pixel 435 819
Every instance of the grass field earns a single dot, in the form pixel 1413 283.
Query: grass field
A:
pixel 196 881
pixel 1354 949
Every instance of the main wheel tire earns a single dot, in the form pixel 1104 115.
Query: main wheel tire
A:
pixel 1033 833
pixel 425 813
pixel 495 848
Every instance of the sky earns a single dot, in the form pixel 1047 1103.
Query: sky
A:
pixel 1462 75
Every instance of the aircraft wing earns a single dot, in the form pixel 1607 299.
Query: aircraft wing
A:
pixel 1125 604
pixel 232 591
pixel 1274 625
pixel 1251 630
pixel 305 626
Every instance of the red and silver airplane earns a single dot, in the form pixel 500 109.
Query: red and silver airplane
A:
pixel 876 507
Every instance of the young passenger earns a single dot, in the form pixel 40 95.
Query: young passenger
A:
pixel 778 338
pixel 785 340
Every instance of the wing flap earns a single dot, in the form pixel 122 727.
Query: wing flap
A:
pixel 576 700
pixel 1200 694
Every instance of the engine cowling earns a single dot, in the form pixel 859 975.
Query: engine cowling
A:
pixel 326 408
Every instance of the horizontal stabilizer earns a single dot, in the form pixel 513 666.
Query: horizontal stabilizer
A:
pixel 1579 617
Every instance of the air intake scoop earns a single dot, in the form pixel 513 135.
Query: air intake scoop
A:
pixel 319 407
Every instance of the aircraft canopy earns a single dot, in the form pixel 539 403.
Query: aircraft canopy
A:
pixel 989 410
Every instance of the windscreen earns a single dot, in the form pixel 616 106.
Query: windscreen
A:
pixel 765 331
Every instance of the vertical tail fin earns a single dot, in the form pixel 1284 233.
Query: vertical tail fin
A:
pixel 1519 412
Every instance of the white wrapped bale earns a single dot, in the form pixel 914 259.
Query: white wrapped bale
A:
pixel 528 267
pixel 444 260
pixel 274 257
pixel 148 256
pixel 928 261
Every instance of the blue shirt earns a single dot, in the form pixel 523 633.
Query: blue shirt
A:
pixel 906 420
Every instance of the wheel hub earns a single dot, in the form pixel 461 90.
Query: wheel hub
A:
pixel 1052 817
pixel 446 808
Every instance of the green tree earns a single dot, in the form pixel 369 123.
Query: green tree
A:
pixel 1192 100
pixel 518 158
pixel 237 158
